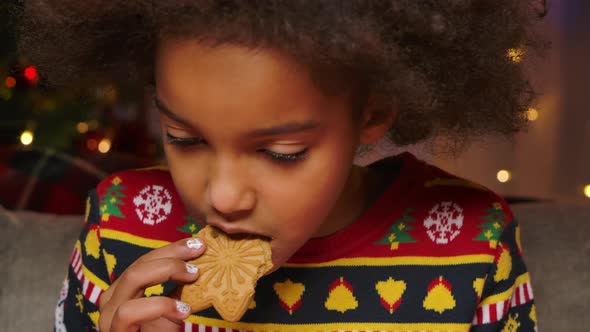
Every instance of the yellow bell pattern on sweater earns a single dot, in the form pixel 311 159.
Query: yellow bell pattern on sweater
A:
pixel 439 297
pixel 341 297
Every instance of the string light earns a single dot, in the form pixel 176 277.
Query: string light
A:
pixel 532 114
pixel 104 146
pixel 91 144
pixel 503 176
pixel 26 137
pixel 82 127
pixel 515 54
pixel 10 82
pixel 587 190
pixel 31 74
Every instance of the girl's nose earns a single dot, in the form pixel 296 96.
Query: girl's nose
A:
pixel 229 196
pixel 233 216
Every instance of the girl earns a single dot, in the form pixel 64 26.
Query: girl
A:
pixel 264 105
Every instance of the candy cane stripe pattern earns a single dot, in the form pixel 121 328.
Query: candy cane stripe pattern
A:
pixel 494 312
pixel 91 291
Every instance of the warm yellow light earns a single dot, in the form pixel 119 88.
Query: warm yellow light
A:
pixel 515 54
pixel 82 127
pixel 587 191
pixel 532 114
pixel 26 137
pixel 503 176
pixel 104 146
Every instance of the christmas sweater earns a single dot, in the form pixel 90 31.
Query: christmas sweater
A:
pixel 434 253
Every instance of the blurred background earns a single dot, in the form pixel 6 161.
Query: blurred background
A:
pixel 551 160
pixel 54 147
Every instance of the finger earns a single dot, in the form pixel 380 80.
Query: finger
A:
pixel 105 297
pixel 130 315
pixel 184 249
pixel 137 278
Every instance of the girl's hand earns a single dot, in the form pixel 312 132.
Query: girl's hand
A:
pixel 124 308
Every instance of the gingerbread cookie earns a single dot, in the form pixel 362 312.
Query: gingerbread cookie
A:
pixel 229 270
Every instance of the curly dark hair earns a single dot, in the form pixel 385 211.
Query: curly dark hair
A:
pixel 442 63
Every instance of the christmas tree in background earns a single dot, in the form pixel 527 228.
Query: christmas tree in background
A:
pixel 493 227
pixel 64 140
pixel 110 201
pixel 33 115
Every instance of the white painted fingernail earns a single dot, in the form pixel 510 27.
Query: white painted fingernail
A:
pixel 194 243
pixel 191 268
pixel 183 307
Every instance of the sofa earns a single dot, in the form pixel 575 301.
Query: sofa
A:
pixel 35 248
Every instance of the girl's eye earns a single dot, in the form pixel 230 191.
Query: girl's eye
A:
pixel 183 140
pixel 286 157
pixel 275 156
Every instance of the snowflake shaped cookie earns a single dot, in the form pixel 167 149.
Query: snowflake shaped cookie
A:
pixel 229 270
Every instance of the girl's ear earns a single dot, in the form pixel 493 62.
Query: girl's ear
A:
pixel 376 121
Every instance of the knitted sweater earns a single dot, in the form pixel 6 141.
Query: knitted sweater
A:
pixel 434 253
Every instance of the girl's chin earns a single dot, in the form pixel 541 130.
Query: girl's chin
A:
pixel 277 262
pixel 279 258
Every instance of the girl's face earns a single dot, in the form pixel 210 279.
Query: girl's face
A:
pixel 253 145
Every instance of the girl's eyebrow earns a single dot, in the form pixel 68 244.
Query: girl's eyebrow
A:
pixel 285 128
pixel 164 109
